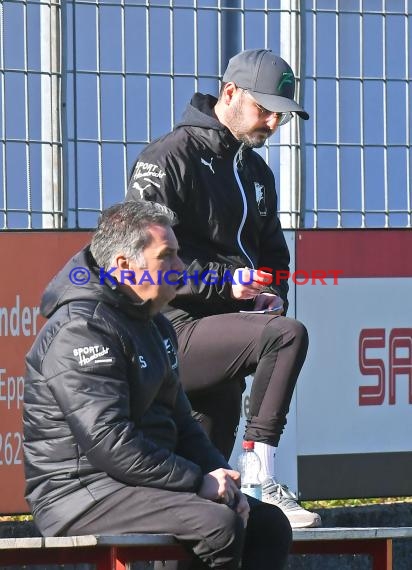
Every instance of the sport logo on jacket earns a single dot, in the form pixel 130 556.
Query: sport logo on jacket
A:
pixel 170 349
pixel 95 354
pixel 208 164
pixel 260 199
pixel 145 175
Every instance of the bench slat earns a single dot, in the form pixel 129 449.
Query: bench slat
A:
pixel 307 534
pixel 111 540
pixel 15 543
pixel 345 533
pixel 88 540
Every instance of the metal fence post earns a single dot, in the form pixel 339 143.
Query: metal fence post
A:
pixel 51 154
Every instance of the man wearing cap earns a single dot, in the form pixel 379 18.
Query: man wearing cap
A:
pixel 225 199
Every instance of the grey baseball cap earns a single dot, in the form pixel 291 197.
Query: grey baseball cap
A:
pixel 267 77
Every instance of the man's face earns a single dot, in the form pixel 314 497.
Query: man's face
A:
pixel 249 122
pixel 158 280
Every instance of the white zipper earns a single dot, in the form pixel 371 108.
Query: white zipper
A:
pixel 242 192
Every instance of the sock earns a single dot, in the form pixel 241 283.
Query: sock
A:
pixel 266 454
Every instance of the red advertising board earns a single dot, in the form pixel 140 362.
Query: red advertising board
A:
pixel 29 261
pixel 336 429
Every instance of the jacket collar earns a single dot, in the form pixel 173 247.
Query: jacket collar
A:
pixel 200 113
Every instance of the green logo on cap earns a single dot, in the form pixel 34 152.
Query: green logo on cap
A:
pixel 287 77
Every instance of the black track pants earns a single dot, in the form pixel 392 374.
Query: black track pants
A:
pixel 216 352
pixel 213 532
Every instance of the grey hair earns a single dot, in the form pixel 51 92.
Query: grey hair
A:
pixel 124 228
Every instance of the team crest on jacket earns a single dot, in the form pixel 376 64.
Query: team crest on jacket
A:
pixel 171 353
pixel 260 199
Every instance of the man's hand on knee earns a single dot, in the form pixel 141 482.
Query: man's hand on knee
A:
pixel 220 485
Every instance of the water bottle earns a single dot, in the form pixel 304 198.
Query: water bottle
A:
pixel 249 468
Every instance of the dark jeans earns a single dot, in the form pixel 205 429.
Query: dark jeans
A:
pixel 212 531
pixel 217 352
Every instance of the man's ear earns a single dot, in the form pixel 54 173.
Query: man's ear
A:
pixel 121 262
pixel 228 92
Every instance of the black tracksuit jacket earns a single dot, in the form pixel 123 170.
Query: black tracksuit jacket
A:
pixel 225 199
pixel 103 405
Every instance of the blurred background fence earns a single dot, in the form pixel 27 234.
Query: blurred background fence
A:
pixel 85 84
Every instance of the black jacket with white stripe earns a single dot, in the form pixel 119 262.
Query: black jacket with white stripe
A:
pixel 225 199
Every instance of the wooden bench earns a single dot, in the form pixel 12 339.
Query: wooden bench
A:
pixel 115 552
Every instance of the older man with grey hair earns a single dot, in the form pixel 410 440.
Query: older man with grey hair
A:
pixel 110 445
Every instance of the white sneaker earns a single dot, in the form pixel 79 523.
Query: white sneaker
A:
pixel 276 494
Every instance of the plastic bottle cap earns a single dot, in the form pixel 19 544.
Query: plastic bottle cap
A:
pixel 248 444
